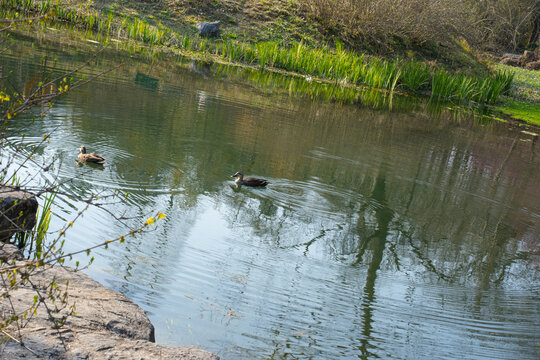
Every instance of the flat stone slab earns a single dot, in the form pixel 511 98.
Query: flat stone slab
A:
pixel 107 325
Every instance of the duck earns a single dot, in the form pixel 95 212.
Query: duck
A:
pixel 90 158
pixel 249 181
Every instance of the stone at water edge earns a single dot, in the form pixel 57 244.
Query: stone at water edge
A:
pixel 9 252
pixel 107 325
pixel 18 210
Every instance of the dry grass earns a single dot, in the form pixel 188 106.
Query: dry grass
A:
pixel 256 20
pixel 383 23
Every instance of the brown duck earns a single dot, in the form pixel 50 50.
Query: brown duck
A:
pixel 248 181
pixel 91 157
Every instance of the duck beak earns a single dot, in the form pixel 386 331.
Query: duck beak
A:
pixel 232 176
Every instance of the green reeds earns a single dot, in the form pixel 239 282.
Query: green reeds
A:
pixel 506 78
pixel 488 90
pixel 443 85
pixel 464 88
pixel 34 238
pixel 415 76
pixel 381 74
pixel 345 66
pixel 134 29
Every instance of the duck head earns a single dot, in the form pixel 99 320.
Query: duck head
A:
pixel 238 175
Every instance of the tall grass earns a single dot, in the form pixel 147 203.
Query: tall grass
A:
pixel 134 29
pixel 415 76
pixel 463 88
pixel 34 239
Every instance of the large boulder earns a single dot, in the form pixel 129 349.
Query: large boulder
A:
pixel 107 324
pixel 208 29
pixel 17 211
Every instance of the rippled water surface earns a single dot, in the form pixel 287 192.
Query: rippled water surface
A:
pixel 401 234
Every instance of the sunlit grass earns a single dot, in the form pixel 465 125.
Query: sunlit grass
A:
pixel 530 112
pixel 525 83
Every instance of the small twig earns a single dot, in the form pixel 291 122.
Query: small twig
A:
pixel 55 259
pixel 11 304
pixel 20 343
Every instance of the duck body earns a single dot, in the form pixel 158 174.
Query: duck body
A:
pixel 90 157
pixel 249 181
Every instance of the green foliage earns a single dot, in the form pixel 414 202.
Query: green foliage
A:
pixel 506 78
pixel 443 85
pixel 134 29
pixel 525 83
pixel 530 112
pixel 415 76
pixel 463 88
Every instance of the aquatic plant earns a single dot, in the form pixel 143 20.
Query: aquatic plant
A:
pixel 415 76
pixel 506 77
pixel 35 238
pixel 443 85
pixel 488 90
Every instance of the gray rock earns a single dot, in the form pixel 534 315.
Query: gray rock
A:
pixel 511 61
pixel 17 211
pixel 107 325
pixel 10 252
pixel 208 29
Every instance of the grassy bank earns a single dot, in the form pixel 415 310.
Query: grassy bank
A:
pixel 309 57
pixel 524 100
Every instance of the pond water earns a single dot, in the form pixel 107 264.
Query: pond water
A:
pixel 402 234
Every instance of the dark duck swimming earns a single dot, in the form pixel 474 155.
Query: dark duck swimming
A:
pixel 249 181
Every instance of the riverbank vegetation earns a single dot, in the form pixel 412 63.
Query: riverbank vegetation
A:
pixel 427 53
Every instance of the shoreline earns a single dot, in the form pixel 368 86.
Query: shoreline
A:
pixel 106 324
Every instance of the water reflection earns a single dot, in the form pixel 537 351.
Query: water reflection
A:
pixel 146 80
pixel 403 234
